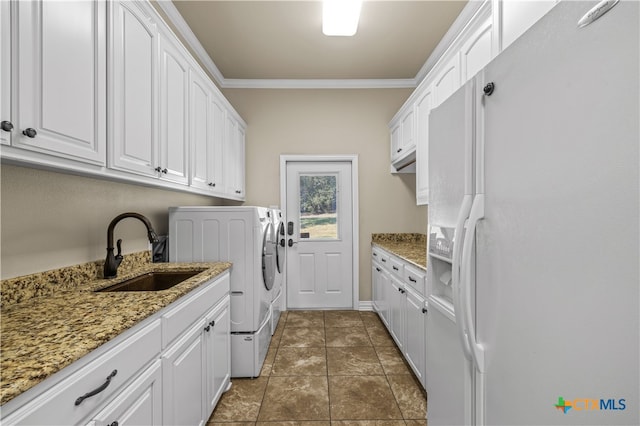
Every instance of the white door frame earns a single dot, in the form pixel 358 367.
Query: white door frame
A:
pixel 353 159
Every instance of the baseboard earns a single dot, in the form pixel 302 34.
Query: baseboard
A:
pixel 365 305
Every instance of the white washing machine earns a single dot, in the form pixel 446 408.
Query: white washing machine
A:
pixel 243 236
pixel 276 301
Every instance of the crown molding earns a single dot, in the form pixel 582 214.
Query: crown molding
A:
pixel 467 13
pixel 190 38
pixel 231 83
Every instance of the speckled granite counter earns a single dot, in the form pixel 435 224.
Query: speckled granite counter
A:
pixel 410 247
pixel 42 335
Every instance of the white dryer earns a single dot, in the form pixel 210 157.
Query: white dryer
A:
pixel 276 300
pixel 243 236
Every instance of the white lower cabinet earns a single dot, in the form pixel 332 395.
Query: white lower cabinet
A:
pixel 217 356
pixel 139 404
pixel 398 291
pixel 415 337
pixel 169 370
pixel 182 371
pixel 197 367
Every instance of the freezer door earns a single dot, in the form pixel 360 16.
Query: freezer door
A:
pixel 448 372
pixel 557 269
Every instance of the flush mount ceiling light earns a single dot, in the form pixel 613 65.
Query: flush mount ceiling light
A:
pixel 340 17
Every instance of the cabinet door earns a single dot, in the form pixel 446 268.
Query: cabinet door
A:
pixel 216 149
pixel 423 108
pixel 408 142
pixel 234 164
pixel 395 141
pixel 5 71
pixel 218 355
pixel 174 109
pixel 140 403
pixel 183 379
pixel 476 51
pixel 61 64
pixel 414 345
pixel 201 134
pixel 376 291
pixel 447 80
pixel 133 90
pixel 386 293
pixel 396 314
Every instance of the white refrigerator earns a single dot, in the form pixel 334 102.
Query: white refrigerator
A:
pixel 533 251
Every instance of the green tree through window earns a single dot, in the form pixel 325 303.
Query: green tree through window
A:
pixel 318 207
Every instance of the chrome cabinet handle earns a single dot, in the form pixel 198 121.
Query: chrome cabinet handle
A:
pixel 97 390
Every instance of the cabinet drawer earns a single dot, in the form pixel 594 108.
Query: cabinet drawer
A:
pixel 57 406
pixel 415 278
pixel 396 267
pixel 179 318
pixel 376 254
pixel 382 257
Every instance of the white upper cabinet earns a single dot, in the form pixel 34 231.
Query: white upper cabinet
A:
pixel 5 73
pixel 234 158
pixel 476 52
pixel 207 135
pixel 517 16
pixel 59 90
pixel 174 112
pixel 447 79
pixel 133 90
pixel 403 143
pixel 423 108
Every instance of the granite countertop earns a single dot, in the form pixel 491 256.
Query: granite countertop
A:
pixel 42 335
pixel 410 247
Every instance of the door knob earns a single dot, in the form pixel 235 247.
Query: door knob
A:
pixel 282 243
pixel 489 88
pixel 291 242
pixel 7 126
pixel 30 133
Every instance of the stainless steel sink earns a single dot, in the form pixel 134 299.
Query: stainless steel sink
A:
pixel 152 281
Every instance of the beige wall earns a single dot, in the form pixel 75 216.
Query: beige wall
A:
pixel 50 220
pixel 331 122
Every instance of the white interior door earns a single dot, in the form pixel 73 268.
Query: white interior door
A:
pixel 319 234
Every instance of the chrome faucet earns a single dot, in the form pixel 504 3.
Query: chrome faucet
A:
pixel 112 262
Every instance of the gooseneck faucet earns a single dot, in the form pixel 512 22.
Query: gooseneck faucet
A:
pixel 112 262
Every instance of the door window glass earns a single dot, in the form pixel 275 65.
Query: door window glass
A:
pixel 318 210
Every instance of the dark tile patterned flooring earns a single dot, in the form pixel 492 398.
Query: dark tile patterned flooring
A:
pixel 327 368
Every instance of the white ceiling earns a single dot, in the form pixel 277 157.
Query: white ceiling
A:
pixel 283 40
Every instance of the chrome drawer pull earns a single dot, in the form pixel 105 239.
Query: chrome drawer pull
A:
pixel 98 390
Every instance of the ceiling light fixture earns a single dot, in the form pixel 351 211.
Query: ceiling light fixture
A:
pixel 340 17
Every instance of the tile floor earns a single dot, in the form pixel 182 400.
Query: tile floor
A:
pixel 327 368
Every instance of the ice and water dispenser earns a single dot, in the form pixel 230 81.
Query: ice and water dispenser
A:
pixel 440 252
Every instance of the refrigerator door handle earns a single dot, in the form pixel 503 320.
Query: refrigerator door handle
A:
pixel 476 349
pixel 463 214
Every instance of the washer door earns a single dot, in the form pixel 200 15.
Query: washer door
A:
pixel 268 257
pixel 280 243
